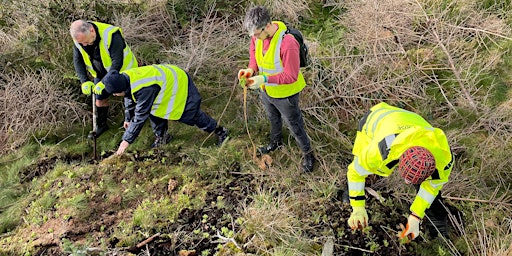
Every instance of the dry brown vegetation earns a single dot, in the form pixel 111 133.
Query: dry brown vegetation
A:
pixel 446 60
pixel 34 103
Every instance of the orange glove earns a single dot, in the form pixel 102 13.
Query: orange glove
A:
pixel 412 229
pixel 247 72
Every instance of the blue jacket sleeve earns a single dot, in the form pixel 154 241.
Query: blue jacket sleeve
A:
pixel 144 101
pixel 129 108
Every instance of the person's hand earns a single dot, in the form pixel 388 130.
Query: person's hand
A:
pixel 87 87
pixel 246 72
pixel 255 82
pixel 122 147
pixel 359 218
pixel 126 124
pixel 412 229
pixel 98 88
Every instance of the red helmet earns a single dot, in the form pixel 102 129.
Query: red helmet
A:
pixel 416 164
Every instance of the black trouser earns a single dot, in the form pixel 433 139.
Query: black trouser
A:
pixel 437 214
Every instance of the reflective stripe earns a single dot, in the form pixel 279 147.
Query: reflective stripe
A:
pixel 126 52
pixel 436 185
pixel 425 195
pixel 359 169
pixel 82 52
pixel 104 37
pixel 389 140
pixel 356 186
pixel 172 99
pixel 382 116
pixel 145 80
pixel 278 67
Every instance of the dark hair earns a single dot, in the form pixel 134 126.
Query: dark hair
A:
pixel 115 82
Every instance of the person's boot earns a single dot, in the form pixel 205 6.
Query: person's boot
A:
pixel 101 122
pixel 161 140
pixel 308 162
pixel 273 145
pixel 222 134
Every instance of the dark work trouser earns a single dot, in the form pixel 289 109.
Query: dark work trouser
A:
pixel 192 115
pixel 437 214
pixel 287 109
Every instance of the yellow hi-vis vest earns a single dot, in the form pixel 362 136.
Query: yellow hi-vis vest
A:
pixel 382 137
pixel 105 32
pixel 171 99
pixel 271 64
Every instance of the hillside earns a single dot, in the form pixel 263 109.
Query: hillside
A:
pixel 449 61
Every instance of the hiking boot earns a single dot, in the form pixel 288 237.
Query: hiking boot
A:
pixel 161 140
pixel 270 147
pixel 101 122
pixel 222 134
pixel 308 162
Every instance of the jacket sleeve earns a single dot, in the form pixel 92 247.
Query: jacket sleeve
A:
pixel 145 98
pixel 252 57
pixel 356 181
pixel 367 161
pixel 129 108
pixel 116 51
pixel 429 189
pixel 79 64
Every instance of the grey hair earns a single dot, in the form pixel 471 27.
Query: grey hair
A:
pixel 257 17
pixel 80 27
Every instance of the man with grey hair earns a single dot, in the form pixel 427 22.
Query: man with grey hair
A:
pixel 99 48
pixel 275 55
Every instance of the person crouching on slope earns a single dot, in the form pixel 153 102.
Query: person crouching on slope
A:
pixel 391 138
pixel 161 93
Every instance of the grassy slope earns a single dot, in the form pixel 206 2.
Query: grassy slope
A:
pixel 54 198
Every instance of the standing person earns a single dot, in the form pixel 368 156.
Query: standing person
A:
pixel 275 56
pixel 99 48
pixel 391 138
pixel 161 93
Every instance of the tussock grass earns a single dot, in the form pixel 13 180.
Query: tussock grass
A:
pixel 272 222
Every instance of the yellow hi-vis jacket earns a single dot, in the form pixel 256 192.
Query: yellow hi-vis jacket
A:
pixel 173 81
pixel 382 137
pixel 105 32
pixel 270 64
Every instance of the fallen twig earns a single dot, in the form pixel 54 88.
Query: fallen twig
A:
pixel 465 199
pixel 356 248
pixel 225 240
pixel 139 245
pixel 477 200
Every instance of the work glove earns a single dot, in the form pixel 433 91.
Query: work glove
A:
pixel 412 229
pixel 246 72
pixel 255 82
pixel 359 218
pixel 98 88
pixel 87 87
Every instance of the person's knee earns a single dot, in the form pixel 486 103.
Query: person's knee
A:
pixel 102 103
